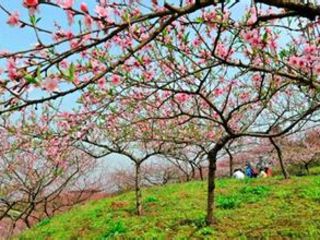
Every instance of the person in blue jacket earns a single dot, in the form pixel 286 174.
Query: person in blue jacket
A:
pixel 249 170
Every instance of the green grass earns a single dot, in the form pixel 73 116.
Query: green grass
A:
pixel 252 209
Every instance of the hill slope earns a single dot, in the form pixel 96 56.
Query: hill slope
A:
pixel 265 208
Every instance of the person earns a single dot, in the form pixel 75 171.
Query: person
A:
pixel 249 170
pixel 262 174
pixel 238 174
pixel 268 171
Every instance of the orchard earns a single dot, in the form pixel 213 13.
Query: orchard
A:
pixel 190 81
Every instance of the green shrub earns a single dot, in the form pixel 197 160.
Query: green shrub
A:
pixel 115 229
pixel 316 180
pixel 151 199
pixel 310 193
pixel 255 190
pixel 206 231
pixel 228 202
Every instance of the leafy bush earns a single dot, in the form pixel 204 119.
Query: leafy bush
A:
pixel 255 190
pixel 205 231
pixel 116 228
pixel 228 202
pixel 151 199
pixel 310 193
pixel 316 180
pixel 252 194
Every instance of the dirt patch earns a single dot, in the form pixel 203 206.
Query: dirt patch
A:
pixel 119 204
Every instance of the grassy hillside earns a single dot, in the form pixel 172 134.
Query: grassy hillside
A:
pixel 259 208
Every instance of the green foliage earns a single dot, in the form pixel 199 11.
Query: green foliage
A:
pixel 255 190
pixel 151 199
pixel 116 229
pixel 30 79
pixel 34 20
pixel 228 202
pixel 310 193
pixel 206 231
pixel 43 222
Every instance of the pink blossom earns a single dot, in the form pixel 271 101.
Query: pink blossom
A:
pixel 51 84
pixel 256 77
pixel 148 75
pixel 101 82
pixel 105 13
pixel 65 4
pixel 181 97
pixel 70 17
pixel 310 49
pixel 146 60
pixel 210 135
pixel 12 69
pixel 298 62
pixel 247 36
pixel 74 43
pixel 14 19
pixel 136 12
pixel 84 7
pixel 218 92
pixel 317 69
pixel 144 36
pixel 302 62
pixel 115 79
pixel 196 42
pixel 244 96
pixel 88 21
pixel 252 20
pixel 210 16
pixel 253 16
pixel 61 35
pixel 101 11
pixel 222 51
pixel 30 3
pixel 293 60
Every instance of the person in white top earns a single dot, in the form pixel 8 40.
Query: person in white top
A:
pixel 238 174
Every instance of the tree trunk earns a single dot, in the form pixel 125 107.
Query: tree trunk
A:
pixel 279 153
pixel 200 173
pixel 306 166
pixel 193 172
pixel 138 190
pixel 230 162
pixel 212 156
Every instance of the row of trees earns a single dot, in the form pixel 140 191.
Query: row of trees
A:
pixel 184 80
pixel 39 178
pixel 36 183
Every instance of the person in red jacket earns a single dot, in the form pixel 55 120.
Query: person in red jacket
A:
pixel 268 171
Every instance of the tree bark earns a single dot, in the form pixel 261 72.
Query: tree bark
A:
pixel 212 156
pixel 138 190
pixel 306 166
pixel 193 172
pixel 230 162
pixel 279 153
pixel 308 10
pixel 200 173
